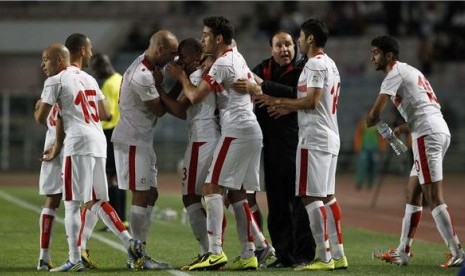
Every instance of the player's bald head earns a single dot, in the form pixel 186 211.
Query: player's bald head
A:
pixel 164 38
pixel 163 47
pixel 58 50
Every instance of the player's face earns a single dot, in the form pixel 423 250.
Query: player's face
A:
pixel 283 49
pixel 87 54
pixel 303 46
pixel 48 64
pixel 378 59
pixel 208 41
pixel 189 60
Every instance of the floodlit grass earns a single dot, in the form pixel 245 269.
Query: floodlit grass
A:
pixel 172 242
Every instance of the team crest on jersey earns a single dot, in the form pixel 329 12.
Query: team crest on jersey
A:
pixel 315 79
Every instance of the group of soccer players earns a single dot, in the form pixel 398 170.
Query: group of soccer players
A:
pixel 215 93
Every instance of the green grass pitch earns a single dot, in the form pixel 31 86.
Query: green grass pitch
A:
pixel 172 242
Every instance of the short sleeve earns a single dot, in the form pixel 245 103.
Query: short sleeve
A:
pixel 146 87
pixel 391 84
pixel 314 77
pixel 50 92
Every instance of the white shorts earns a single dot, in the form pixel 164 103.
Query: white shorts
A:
pixel 136 167
pixel 197 159
pixel 315 172
pixel 50 180
pixel 236 164
pixel 428 155
pixel 84 178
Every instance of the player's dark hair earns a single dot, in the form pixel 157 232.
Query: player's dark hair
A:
pixel 192 44
pixel 219 25
pixel 318 29
pixel 387 44
pixel 75 41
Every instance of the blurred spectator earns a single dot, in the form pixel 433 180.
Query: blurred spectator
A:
pixel 291 17
pixel 393 17
pixel 368 144
pixel 345 18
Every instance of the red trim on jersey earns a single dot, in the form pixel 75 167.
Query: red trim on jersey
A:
pixel 193 166
pixel 337 215
pixel 46 230
pixel 75 65
pixel 248 216
pixel 214 86
pixel 325 225
pixel 414 222
pixel 111 213
pixel 224 223
pixel 147 64
pixel 68 179
pixel 132 168
pixel 220 159
pixel 303 172
pixel 83 223
pixel 227 50
pixel 302 88
pixel 423 160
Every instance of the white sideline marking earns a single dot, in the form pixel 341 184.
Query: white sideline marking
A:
pixel 25 205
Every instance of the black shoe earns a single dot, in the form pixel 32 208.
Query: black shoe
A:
pixel 278 264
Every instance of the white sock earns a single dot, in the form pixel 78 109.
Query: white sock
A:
pixel 410 222
pixel 243 217
pixel 444 224
pixel 72 227
pixel 137 219
pixel 334 228
pixel 46 223
pixel 214 204
pixel 148 223
pixel 198 223
pixel 111 219
pixel 317 216
pixel 88 222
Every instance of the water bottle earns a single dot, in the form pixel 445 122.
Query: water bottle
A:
pixel 396 144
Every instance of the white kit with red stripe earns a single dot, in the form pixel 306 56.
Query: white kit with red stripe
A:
pixel 237 118
pixel 136 124
pixel 318 129
pixel 78 95
pixel 414 97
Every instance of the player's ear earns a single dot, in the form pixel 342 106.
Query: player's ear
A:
pixel 389 56
pixel 219 39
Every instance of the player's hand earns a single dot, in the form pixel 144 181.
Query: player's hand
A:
pixel 265 100
pixel 244 86
pixel 51 153
pixel 175 71
pixel 276 113
pixel 158 76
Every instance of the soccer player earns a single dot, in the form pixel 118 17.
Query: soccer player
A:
pixel 84 180
pixel 76 43
pixel 318 147
pixel 235 164
pixel 132 138
pixel 203 132
pixel 50 183
pixel 111 82
pixel 414 98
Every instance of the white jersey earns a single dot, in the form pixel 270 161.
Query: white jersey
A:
pixel 237 118
pixel 414 97
pixel 202 118
pixel 51 133
pixel 78 95
pixel 318 129
pixel 136 124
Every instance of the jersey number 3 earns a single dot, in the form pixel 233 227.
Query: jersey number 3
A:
pixel 86 100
